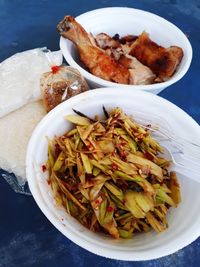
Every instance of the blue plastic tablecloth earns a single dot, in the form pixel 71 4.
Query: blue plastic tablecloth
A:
pixel 27 238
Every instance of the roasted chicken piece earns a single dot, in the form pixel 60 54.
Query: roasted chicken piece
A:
pixel 104 41
pixel 111 46
pixel 94 58
pixel 126 42
pixel 92 39
pixel 115 46
pixel 162 61
pixel 128 39
pixel 139 73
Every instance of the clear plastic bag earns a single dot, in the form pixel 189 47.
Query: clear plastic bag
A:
pixel 61 83
pixel 15 183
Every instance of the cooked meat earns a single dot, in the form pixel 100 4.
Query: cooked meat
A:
pixel 176 52
pixel 115 46
pixel 116 53
pixel 92 39
pixel 116 37
pixel 108 51
pixel 94 58
pixel 105 41
pixel 139 73
pixel 126 48
pixel 128 39
pixel 163 62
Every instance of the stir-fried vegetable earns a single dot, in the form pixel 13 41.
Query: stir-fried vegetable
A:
pixel 110 175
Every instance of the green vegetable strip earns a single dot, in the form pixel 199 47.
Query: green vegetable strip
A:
pixel 110 175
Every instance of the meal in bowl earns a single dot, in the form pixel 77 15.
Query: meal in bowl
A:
pixel 110 175
pixel 128 60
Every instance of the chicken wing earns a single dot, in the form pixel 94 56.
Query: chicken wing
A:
pixel 162 61
pixel 94 58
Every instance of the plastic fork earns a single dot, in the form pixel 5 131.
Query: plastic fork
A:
pixel 184 154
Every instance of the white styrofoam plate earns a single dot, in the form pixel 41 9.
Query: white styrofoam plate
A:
pixel 184 221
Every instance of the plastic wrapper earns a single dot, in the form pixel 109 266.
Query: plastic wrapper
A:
pixel 61 83
pixel 20 78
pixel 55 86
pixel 14 182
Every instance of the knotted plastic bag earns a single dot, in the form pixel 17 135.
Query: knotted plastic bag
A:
pixel 61 83
pixel 27 109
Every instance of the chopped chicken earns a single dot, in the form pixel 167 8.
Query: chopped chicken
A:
pixel 115 46
pixel 162 61
pixel 116 53
pixel 112 46
pixel 127 60
pixel 92 39
pixel 108 51
pixel 104 41
pixel 126 48
pixel 94 58
pixel 128 39
pixel 139 73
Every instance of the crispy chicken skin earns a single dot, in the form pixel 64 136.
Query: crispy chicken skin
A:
pixel 94 58
pixel 162 61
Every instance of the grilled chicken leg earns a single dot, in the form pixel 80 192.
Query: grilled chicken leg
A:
pixel 94 58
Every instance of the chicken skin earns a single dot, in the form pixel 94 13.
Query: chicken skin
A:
pixel 162 61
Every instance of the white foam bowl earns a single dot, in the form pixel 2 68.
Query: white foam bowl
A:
pixel 184 221
pixel 129 21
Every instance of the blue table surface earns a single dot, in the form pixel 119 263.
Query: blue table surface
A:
pixel 27 238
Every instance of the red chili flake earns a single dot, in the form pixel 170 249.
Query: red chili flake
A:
pixel 90 147
pixel 59 191
pixel 162 182
pixel 57 150
pixel 109 209
pixel 44 168
pixel 114 166
pixel 148 156
pixel 97 201
pixel 49 182
pixel 55 69
pixel 123 143
pixel 122 154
